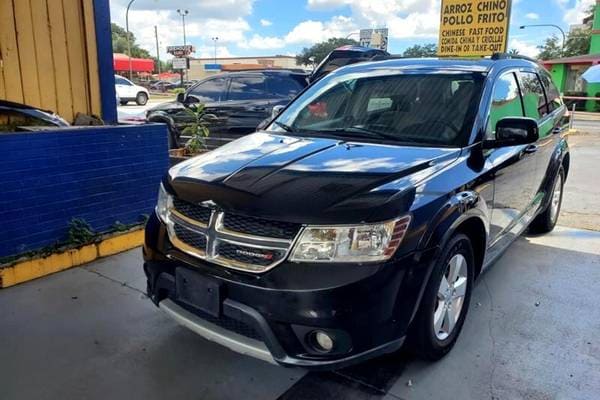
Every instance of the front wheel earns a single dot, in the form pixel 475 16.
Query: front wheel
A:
pixel 123 102
pixel 141 99
pixel 546 221
pixel 445 301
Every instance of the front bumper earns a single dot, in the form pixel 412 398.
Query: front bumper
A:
pixel 258 349
pixel 366 309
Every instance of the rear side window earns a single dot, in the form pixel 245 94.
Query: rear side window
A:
pixel 552 93
pixel 247 88
pixel 11 121
pixel 506 102
pixel 121 81
pixel 283 87
pixel 533 96
pixel 212 90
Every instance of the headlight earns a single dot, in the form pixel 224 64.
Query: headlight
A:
pixel 163 204
pixel 359 243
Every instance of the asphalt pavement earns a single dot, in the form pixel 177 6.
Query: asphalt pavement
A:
pixel 91 333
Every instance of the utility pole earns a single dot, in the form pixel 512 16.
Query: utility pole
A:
pixel 157 49
pixel 128 39
pixel 183 14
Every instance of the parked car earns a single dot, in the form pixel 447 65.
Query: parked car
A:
pixel 128 91
pixel 345 55
pixel 240 101
pixel 362 216
pixel 163 85
pixel 21 117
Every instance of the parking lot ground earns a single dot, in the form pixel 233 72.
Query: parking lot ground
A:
pixel 581 202
pixel 90 333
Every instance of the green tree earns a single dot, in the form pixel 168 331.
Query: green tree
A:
pixel 551 49
pixel 513 52
pixel 320 50
pixel 417 51
pixel 578 42
pixel 119 42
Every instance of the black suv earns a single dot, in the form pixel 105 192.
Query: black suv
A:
pixel 238 100
pixel 364 213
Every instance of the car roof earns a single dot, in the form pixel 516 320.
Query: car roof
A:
pixel 260 72
pixel 482 65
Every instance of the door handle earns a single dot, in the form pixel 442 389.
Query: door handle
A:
pixel 532 148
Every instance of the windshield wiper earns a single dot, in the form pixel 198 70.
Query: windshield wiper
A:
pixel 283 126
pixel 362 132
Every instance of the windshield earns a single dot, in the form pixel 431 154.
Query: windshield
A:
pixel 436 109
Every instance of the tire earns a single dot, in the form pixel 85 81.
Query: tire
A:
pixel 173 138
pixel 546 221
pixel 431 339
pixel 141 99
pixel 123 102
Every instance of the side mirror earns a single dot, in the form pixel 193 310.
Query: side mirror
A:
pixel 513 132
pixel 181 98
pixel 276 111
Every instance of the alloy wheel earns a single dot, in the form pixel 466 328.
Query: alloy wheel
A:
pixel 556 198
pixel 450 297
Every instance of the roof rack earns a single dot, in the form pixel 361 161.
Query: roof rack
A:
pixel 507 56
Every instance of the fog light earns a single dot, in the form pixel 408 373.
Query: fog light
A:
pixel 323 341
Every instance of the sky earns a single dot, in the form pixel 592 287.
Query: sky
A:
pixel 270 27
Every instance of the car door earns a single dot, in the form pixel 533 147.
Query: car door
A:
pixel 513 166
pixel 121 87
pixel 558 123
pixel 247 105
pixel 536 107
pixel 128 88
pixel 212 93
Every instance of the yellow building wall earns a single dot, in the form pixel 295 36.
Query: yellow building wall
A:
pixel 48 55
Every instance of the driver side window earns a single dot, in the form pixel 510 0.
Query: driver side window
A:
pixel 210 91
pixel 506 102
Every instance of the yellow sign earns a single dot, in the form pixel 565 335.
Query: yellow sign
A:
pixel 473 28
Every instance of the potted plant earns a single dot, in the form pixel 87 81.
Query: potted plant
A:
pixel 198 131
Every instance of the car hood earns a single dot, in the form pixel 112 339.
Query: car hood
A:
pixel 308 180
pixel 167 106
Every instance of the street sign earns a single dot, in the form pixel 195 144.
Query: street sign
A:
pixel 473 28
pixel 180 63
pixel 179 51
pixel 374 38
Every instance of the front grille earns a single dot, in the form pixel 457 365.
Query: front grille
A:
pixel 192 211
pixel 230 240
pixel 260 227
pixel 250 255
pixel 189 237
pixel 225 322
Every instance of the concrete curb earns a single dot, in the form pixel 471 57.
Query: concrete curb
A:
pixel 28 270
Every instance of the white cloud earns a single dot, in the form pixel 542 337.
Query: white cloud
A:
pixel 524 48
pixel 209 52
pixel 265 22
pixel 308 32
pixel 403 18
pixel 533 16
pixel 327 4
pixel 263 43
pixel 224 19
pixel 576 13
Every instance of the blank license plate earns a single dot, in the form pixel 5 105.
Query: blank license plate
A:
pixel 198 291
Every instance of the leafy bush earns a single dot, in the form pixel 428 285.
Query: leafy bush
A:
pixel 80 232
